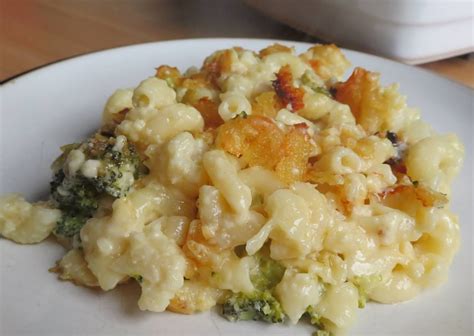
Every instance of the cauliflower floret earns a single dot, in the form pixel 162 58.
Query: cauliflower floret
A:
pixel 159 264
pixel 106 239
pixel 179 163
pixel 26 223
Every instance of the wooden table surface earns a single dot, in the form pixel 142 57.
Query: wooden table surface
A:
pixel 37 32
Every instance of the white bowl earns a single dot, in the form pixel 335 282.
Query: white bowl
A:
pixel 411 31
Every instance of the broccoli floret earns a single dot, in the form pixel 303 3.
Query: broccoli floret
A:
pixel 320 332
pixel 69 225
pixel 267 273
pixel 315 320
pixel 364 285
pixel 257 306
pixel 76 194
pixel 77 199
pixel 119 164
pixel 260 305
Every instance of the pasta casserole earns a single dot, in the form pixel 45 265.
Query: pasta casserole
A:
pixel 261 182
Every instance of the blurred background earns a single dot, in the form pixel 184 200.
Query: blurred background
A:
pixel 437 34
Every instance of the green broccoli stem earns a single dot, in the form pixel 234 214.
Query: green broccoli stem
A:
pixel 317 321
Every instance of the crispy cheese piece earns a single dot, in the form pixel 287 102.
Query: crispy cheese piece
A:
pixel 427 196
pixel 209 112
pixel 73 267
pixel 170 74
pixel 267 104
pixel 256 139
pixel 217 64
pixel 326 60
pixel 357 90
pixel 296 150
pixel 374 107
pixel 194 297
pixel 274 48
pixel 288 93
pixel 260 142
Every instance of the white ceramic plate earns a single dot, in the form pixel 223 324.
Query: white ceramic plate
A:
pixel 62 103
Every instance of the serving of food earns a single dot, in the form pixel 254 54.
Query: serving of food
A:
pixel 262 183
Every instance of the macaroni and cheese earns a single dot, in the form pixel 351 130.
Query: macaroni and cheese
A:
pixel 261 182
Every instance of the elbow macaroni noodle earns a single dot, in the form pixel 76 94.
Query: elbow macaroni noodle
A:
pixel 320 181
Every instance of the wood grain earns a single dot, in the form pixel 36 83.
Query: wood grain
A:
pixel 37 32
pixel 460 69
